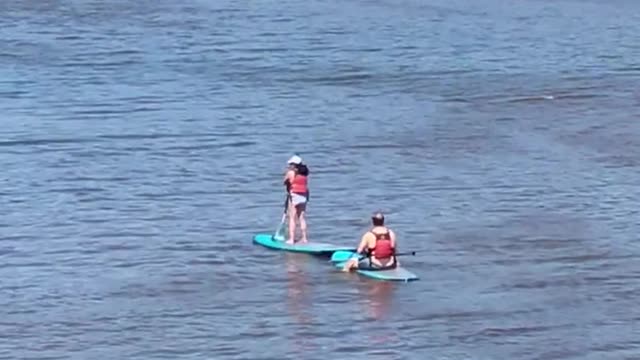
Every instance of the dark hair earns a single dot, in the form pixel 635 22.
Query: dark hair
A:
pixel 377 219
pixel 302 169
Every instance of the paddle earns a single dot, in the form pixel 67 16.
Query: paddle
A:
pixel 284 217
pixel 341 255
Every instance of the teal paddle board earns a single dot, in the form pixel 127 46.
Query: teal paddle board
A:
pixel 313 248
pixel 397 274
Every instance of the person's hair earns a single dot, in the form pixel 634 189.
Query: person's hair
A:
pixel 377 219
pixel 302 169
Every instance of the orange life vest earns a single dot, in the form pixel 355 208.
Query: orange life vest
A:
pixel 299 184
pixel 383 248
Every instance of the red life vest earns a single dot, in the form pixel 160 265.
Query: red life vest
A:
pixel 383 248
pixel 299 184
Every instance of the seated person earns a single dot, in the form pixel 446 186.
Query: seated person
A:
pixel 379 244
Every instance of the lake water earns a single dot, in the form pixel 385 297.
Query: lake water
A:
pixel 142 145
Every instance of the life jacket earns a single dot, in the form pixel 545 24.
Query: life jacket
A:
pixel 383 248
pixel 299 183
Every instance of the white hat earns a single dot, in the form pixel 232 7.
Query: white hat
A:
pixel 295 159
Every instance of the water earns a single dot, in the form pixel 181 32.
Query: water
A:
pixel 143 143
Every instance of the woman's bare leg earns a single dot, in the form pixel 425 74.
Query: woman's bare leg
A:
pixel 303 222
pixel 292 224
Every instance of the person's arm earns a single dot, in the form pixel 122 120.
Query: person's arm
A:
pixel 355 258
pixel 288 179
pixel 363 243
pixel 392 235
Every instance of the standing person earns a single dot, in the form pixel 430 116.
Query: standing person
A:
pixel 378 244
pixel 296 181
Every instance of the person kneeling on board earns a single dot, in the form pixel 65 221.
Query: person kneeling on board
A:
pixel 296 182
pixel 379 245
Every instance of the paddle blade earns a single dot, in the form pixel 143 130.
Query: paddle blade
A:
pixel 341 256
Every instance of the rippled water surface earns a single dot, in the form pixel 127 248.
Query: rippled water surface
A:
pixel 142 146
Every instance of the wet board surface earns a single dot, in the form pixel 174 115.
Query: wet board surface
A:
pixel 316 248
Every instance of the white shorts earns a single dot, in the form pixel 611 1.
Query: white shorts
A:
pixel 298 199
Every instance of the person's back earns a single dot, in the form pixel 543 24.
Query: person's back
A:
pixel 299 179
pixel 381 243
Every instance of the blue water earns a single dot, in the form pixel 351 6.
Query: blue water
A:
pixel 142 146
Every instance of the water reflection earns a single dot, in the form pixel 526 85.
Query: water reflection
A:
pixel 298 303
pixel 378 297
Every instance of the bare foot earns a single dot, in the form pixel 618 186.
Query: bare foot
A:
pixel 348 266
pixel 304 241
pixel 290 242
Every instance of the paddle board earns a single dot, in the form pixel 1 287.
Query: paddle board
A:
pixel 397 274
pixel 313 248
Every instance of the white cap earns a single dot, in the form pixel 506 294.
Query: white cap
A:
pixel 295 159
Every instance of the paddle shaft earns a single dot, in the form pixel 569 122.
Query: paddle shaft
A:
pixel 397 254
pixel 284 214
pixel 406 253
pixel 346 255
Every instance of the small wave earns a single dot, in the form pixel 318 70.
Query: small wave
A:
pixel 96 178
pixel 232 106
pixel 283 20
pixel 237 144
pixel 34 264
pixel 617 161
pixel 15 94
pixel 98 65
pixel 68 37
pixel 109 54
pixel 363 50
pixel 377 146
pixel 151 136
pixel 576 96
pixel 76 191
pixel 346 79
pixel 101 110
pixel 10 56
pixel 456 100
pixel 207 261
pixel 627 69
pixel 530 99
pixel 36 142
pixel 516 331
